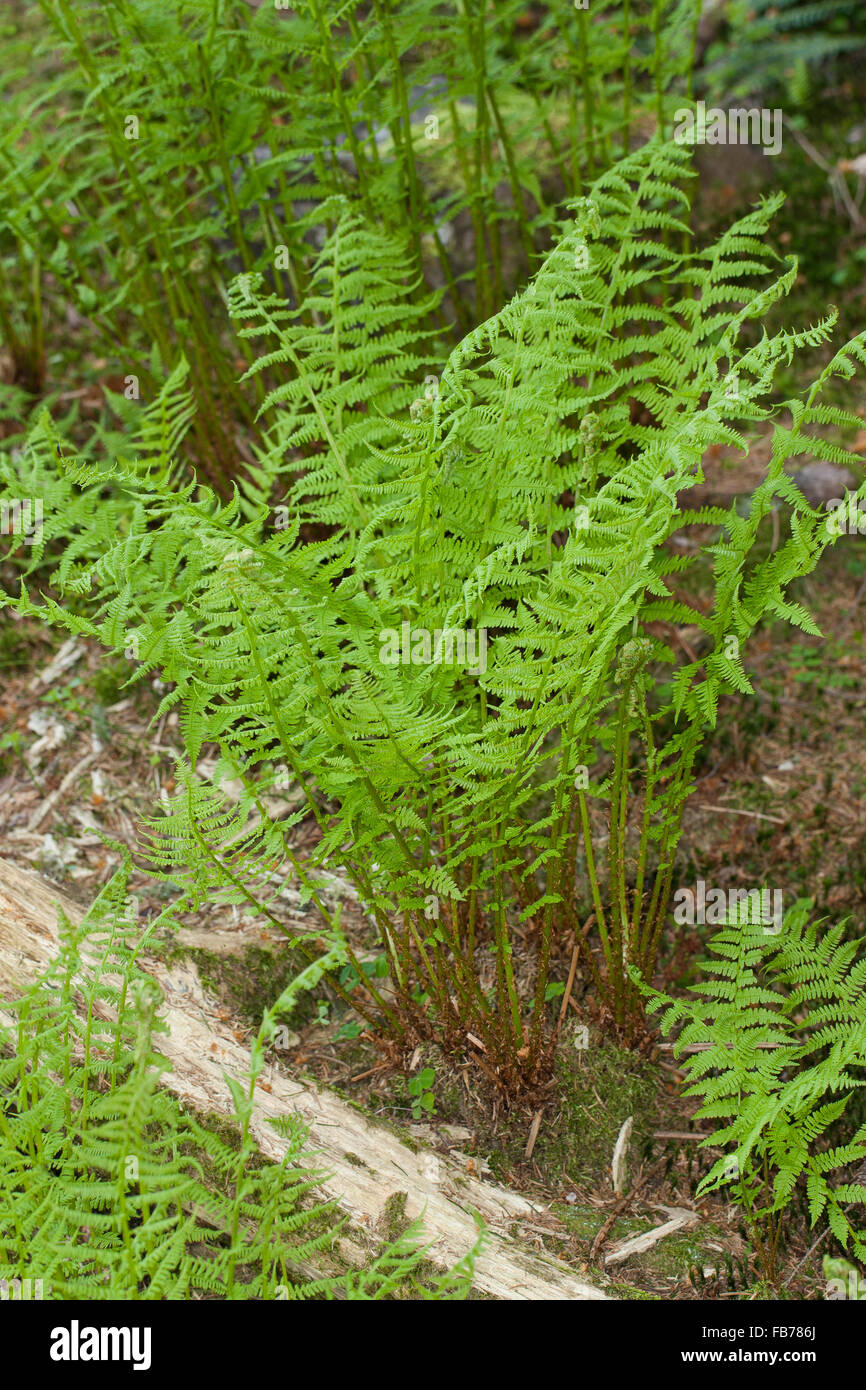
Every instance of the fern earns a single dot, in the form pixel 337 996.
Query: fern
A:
pixel 781 1020
pixel 353 350
pixel 785 41
pixel 523 501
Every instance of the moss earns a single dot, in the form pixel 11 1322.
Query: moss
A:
pixel 597 1089
pixel 394 1221
pixel 632 1293
pixel 224 1128
pixel 249 982
pixel 673 1256
pixel 393 1224
pixel 583 1222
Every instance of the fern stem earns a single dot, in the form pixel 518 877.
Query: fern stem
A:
pixel 626 78
pixel 587 87
pixel 592 874
pixel 517 193
pixel 483 294
pixel 646 822
pixel 403 139
pixel 219 142
pixel 658 66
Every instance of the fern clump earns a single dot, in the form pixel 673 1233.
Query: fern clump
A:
pixel 524 510
pixel 781 1024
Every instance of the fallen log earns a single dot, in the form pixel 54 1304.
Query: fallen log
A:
pixel 365 1164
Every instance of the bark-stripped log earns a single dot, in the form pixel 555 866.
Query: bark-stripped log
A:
pixel 366 1163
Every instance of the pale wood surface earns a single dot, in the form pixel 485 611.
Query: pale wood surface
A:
pixel 365 1163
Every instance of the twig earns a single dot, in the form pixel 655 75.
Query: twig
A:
pixel 533 1134
pixel 637 1245
pixel 814 1247
pixel 42 811
pixel 619 1166
pixel 808 148
pixel 568 988
pixel 677 1134
pixel 362 1075
pixel 835 176
pixel 619 1207
pixel 732 811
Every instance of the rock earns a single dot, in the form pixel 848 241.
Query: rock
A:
pixel 821 482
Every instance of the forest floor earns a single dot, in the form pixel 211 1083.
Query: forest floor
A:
pixel 780 800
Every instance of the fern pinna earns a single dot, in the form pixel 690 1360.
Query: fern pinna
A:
pixel 528 496
pixel 781 1023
